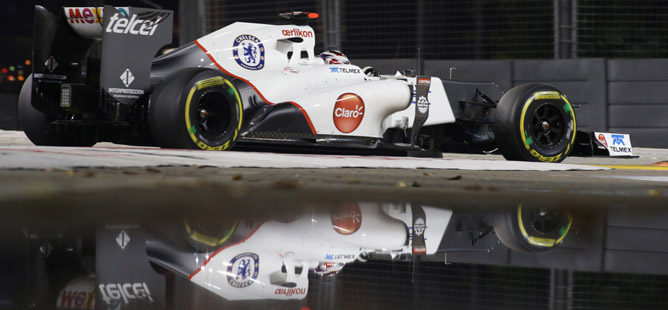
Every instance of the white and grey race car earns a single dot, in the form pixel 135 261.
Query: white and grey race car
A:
pixel 263 87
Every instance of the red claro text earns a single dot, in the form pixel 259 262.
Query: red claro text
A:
pixel 348 112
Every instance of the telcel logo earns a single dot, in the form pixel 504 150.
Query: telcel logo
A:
pixel 125 291
pixel 121 24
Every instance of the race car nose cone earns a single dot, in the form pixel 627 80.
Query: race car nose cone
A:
pixel 545 125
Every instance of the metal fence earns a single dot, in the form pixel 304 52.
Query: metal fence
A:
pixel 471 29
pixel 431 285
pixel 622 28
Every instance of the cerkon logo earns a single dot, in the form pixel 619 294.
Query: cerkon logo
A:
pixel 347 219
pixel 298 33
pixel 348 112
pixel 143 27
pixel 290 291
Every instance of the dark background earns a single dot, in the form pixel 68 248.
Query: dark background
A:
pixel 16 19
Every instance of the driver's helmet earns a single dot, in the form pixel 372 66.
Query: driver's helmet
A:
pixel 334 57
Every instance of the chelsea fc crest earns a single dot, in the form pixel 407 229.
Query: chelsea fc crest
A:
pixel 243 269
pixel 248 52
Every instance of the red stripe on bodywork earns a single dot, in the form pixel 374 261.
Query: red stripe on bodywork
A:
pixel 308 119
pixel 223 248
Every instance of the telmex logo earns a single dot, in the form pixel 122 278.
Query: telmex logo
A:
pixel 121 24
pixel 298 33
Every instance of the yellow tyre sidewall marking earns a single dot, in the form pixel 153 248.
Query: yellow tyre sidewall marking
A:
pixel 210 82
pixel 542 242
pixel 209 240
pixel 542 95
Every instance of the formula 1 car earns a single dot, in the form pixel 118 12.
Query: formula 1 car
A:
pixel 262 87
pixel 274 257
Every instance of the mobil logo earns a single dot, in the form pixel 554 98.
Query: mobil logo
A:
pixel 76 300
pixel 347 219
pixel 84 15
pixel 348 112
pixel 88 15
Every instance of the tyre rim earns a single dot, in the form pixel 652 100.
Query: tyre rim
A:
pixel 545 221
pixel 547 126
pixel 213 115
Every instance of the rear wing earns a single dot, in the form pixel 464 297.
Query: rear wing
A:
pixel 78 50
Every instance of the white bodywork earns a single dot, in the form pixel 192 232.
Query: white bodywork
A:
pixel 320 241
pixel 291 72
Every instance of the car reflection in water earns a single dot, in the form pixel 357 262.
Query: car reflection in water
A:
pixel 272 258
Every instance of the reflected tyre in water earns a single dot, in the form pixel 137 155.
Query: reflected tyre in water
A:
pixel 531 229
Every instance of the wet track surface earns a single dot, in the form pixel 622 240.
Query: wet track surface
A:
pixel 70 198
pixel 121 178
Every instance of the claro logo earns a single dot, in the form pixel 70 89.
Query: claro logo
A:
pixel 143 27
pixel 347 219
pixel 348 112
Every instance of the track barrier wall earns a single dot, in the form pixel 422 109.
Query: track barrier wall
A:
pixel 618 95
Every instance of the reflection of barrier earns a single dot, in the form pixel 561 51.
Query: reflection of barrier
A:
pixel 9 119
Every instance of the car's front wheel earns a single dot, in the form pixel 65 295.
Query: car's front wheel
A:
pixel 534 122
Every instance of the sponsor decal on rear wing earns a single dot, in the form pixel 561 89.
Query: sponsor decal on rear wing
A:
pixel 87 21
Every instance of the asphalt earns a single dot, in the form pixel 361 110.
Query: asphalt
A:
pixel 92 193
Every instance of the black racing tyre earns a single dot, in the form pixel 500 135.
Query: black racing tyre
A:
pixel 35 124
pixel 533 229
pixel 196 109
pixel 534 122
pixel 209 235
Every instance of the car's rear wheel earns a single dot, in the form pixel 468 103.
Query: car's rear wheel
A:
pixel 534 122
pixel 35 123
pixel 196 109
